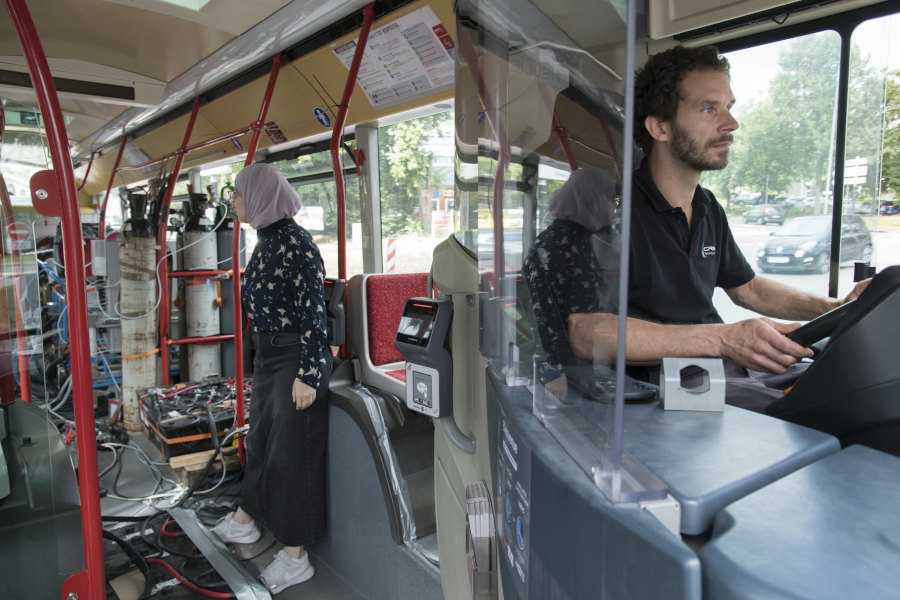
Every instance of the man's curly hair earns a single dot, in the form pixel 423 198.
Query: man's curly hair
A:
pixel 657 85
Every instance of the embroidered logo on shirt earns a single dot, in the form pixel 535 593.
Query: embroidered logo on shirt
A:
pixel 708 251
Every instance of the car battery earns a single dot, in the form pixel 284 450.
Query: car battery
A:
pixel 177 417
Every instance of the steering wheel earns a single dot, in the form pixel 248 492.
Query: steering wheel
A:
pixel 820 327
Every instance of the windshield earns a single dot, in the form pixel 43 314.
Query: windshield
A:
pixel 805 226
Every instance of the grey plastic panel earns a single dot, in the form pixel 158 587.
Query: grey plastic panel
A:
pixel 711 459
pixel 581 544
pixel 830 530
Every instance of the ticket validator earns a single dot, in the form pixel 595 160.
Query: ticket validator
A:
pixel 423 339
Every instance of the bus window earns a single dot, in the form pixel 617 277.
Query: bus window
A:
pixel 872 171
pixel 313 179
pixel 417 195
pixel 783 158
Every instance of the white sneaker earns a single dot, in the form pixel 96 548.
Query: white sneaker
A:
pixel 235 533
pixel 286 571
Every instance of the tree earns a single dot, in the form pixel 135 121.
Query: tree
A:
pixel 865 122
pixel 890 165
pixel 787 138
pixel 407 169
pixel 803 97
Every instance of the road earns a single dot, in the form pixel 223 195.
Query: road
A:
pixel 749 238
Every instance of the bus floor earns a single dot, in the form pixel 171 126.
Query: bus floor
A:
pixel 134 481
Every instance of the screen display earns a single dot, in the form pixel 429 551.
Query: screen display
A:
pixel 416 324
pixel 329 290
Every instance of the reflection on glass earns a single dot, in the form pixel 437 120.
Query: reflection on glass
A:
pixel 42 505
pixel 539 164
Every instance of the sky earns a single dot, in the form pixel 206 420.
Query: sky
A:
pixel 753 69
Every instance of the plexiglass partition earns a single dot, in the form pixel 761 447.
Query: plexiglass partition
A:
pixel 543 156
pixel 40 519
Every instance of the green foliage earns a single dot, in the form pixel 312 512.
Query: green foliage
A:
pixel 890 167
pixel 786 139
pixel 406 170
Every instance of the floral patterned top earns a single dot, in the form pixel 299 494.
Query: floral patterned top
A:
pixel 282 290
pixel 568 270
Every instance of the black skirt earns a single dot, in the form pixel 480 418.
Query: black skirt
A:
pixel 284 475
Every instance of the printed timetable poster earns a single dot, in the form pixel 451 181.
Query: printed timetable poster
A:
pixel 408 58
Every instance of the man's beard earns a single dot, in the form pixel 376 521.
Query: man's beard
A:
pixel 684 148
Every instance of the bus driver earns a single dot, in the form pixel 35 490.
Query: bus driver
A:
pixel 681 245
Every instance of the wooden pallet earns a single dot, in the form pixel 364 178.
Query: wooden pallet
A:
pixel 187 467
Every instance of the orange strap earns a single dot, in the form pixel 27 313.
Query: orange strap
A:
pixel 142 354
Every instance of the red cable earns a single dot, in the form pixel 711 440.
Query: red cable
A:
pixel 179 391
pixel 168 533
pixel 179 577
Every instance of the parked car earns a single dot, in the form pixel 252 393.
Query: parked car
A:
pixel 889 209
pixel 804 244
pixel 747 198
pixel 765 213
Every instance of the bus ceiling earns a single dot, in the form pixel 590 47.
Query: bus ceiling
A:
pixel 141 80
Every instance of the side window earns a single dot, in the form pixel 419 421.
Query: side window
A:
pixel 871 176
pixel 417 191
pixel 784 153
pixel 313 178
pixel 785 99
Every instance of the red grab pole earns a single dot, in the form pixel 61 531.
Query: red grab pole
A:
pixel 90 583
pixel 161 234
pixel 235 259
pixel 101 229
pixel 343 107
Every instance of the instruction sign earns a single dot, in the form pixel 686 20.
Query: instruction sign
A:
pixel 855 170
pixel 513 503
pixel 409 58
pixel 322 117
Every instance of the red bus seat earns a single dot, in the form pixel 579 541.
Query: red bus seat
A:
pixel 375 303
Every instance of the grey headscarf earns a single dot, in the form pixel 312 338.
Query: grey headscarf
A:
pixel 267 195
pixel 587 198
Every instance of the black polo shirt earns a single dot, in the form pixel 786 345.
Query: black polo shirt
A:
pixel 674 269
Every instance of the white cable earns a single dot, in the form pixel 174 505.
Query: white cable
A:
pixel 159 279
pixel 221 478
pixel 64 394
pixel 115 452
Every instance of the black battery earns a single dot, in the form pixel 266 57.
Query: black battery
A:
pixel 180 418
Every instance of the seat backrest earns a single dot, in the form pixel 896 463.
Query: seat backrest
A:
pixel 385 297
pixel 375 303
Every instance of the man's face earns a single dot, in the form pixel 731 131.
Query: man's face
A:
pixel 701 132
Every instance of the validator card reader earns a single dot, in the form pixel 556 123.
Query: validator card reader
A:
pixel 422 339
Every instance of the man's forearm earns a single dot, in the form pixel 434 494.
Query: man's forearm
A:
pixel 593 336
pixel 758 344
pixel 772 299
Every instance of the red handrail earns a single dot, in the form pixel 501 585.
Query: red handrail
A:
pixel 161 235
pixel 338 131
pixel 101 228
pixel 90 583
pixel 235 264
pixel 492 113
